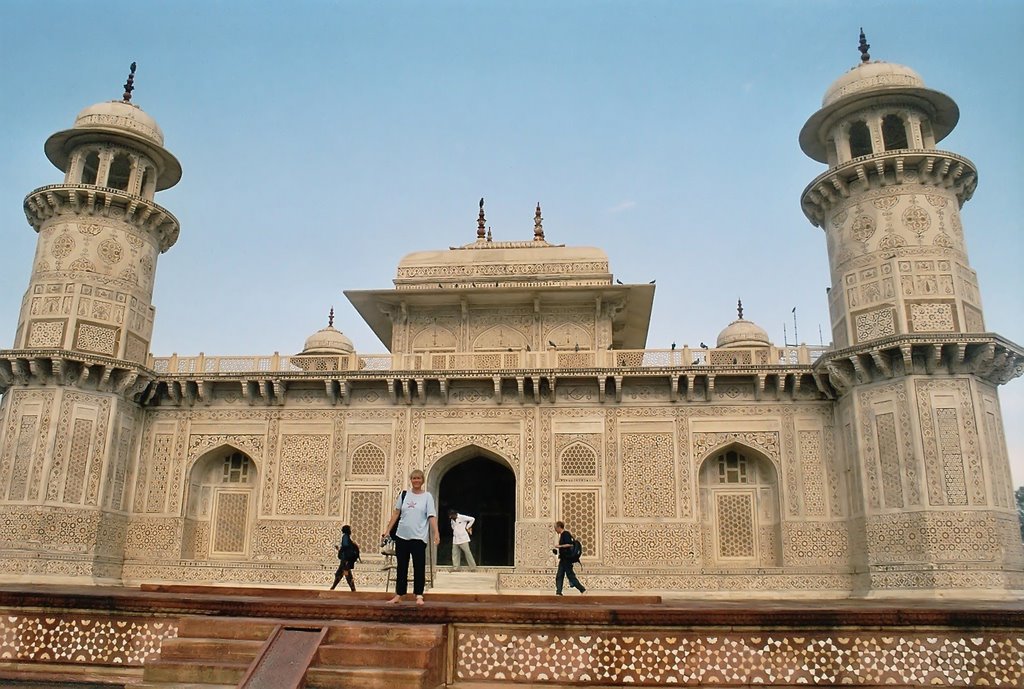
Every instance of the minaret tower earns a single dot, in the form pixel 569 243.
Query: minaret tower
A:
pixel 915 371
pixel 71 413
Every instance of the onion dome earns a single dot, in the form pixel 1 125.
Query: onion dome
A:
pixel 328 341
pixel 743 333
pixel 117 120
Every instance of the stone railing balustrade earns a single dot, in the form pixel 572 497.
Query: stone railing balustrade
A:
pixel 551 359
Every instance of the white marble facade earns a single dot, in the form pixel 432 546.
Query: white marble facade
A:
pixel 875 467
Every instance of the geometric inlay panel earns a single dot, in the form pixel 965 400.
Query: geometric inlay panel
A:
pixel 70 638
pixel 664 657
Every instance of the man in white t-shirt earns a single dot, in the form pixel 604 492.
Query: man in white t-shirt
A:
pixel 462 527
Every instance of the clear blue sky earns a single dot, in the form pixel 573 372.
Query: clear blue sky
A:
pixel 321 141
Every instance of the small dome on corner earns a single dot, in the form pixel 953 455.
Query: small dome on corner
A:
pixel 743 333
pixel 119 116
pixel 329 340
pixel 876 75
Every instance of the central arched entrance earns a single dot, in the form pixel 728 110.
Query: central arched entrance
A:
pixel 484 488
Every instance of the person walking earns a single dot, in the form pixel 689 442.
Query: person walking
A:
pixel 416 517
pixel 462 529
pixel 565 560
pixel 348 553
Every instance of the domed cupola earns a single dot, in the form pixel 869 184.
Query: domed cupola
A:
pixel 742 333
pixel 325 349
pixel 328 341
pixel 877 107
pixel 116 145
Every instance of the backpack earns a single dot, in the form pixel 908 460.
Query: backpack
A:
pixel 576 551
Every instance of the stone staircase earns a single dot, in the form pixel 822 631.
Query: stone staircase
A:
pixel 216 653
pixel 480 581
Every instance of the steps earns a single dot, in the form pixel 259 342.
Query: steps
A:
pixel 218 652
pixel 480 582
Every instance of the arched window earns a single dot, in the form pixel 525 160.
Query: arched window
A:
pixel 894 132
pixel 147 177
pixel 120 172
pixel 740 509
pixel 860 139
pixel 369 460
pixel 218 509
pixel 91 167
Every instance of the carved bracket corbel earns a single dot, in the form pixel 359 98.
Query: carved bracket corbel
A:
pixel 618 388
pixel 421 390
pixel 280 390
pixel 673 388
pixel 497 389
pixel 602 382
pixel 551 389
pixel 444 390
pixel 521 387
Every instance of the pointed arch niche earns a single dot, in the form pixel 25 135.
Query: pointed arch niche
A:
pixel 219 505
pixel 479 482
pixel 739 505
pixel 500 338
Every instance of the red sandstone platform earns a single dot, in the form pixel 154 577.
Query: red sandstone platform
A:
pixel 161 636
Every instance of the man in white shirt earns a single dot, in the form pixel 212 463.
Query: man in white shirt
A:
pixel 462 527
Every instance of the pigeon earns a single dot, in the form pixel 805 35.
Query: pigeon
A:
pixel 618 281
pixel 552 344
pixel 703 346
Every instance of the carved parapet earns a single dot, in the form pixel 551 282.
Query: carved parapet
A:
pixel 76 199
pixel 925 167
pixel 985 355
pixel 59 367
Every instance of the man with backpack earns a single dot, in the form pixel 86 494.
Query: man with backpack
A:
pixel 568 551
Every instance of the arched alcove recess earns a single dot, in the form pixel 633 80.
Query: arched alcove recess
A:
pixel 569 336
pixel 499 338
pixel 434 339
pixel 481 483
pixel 740 508
pixel 219 505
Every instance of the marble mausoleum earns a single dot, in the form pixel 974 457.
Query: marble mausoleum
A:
pixel 517 377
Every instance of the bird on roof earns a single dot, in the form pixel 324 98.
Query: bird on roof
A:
pixel 552 344
pixel 703 346
pixel 618 281
pixel 652 282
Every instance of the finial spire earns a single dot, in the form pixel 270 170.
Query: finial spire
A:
pixel 481 223
pixel 129 85
pixel 538 227
pixel 864 47
pixel 488 234
pixel 330 318
pixel 739 308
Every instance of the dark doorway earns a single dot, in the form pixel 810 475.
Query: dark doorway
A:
pixel 484 489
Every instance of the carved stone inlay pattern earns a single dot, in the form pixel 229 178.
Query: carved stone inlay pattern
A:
pixel 231 519
pixel 932 317
pixel 917 220
pixel 734 513
pixel 110 251
pixel 507 445
pixel 368 460
pixel 201 443
pixel 948 431
pixel 46 334
pixel 96 338
pixel 579 512
pixel 578 454
pixel 82 638
pixel 889 458
pixel 871 325
pixel 366 517
pixel 156 493
pixel 813 471
pixel 648 475
pixel 78 460
pixel 659 657
pixel 23 456
pixel 302 478
pixel 765 441
pixel 652 545
pixel 941 446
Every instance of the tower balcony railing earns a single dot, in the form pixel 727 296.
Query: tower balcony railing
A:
pixel 928 167
pixel 551 359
